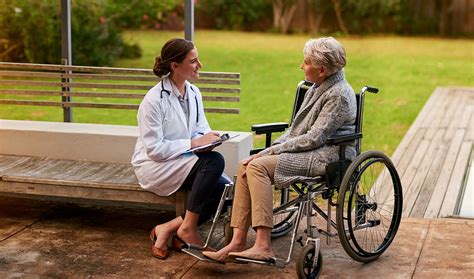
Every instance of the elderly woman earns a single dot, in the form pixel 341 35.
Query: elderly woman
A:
pixel 329 109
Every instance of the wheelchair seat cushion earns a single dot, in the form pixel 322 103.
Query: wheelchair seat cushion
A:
pixel 297 167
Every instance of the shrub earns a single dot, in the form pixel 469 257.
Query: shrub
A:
pixel 230 14
pixel 30 31
pixel 137 14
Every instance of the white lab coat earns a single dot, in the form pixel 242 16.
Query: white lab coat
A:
pixel 164 135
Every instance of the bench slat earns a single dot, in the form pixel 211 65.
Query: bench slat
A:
pixel 103 95
pixel 77 183
pixel 30 74
pixel 30 92
pixel 103 105
pixel 21 189
pixel 219 75
pixel 30 103
pixel 106 77
pixel 29 83
pixel 10 162
pixel 219 90
pixel 90 69
pixel 105 85
pixel 217 81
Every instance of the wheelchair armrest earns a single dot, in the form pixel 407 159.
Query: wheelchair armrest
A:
pixel 269 128
pixel 256 150
pixel 343 139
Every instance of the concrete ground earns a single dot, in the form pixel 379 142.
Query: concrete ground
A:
pixel 45 239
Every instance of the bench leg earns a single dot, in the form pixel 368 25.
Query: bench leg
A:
pixel 180 202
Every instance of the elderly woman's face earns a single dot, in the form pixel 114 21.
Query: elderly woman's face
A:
pixel 311 73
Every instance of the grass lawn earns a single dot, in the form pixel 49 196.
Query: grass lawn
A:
pixel 406 70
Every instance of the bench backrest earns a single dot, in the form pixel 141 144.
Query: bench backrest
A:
pixel 102 87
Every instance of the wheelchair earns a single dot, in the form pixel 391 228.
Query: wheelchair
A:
pixel 365 193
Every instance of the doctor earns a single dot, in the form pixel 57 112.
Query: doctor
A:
pixel 171 120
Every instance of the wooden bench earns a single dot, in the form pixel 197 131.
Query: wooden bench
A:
pixel 64 177
pixel 73 180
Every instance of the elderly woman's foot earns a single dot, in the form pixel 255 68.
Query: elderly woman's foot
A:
pixel 221 255
pixel 255 253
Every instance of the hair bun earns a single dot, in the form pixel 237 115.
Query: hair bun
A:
pixel 160 69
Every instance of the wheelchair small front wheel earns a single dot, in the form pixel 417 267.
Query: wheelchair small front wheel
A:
pixel 369 206
pixel 307 265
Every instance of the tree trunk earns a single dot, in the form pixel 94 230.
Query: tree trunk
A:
pixel 283 11
pixel 315 16
pixel 277 7
pixel 340 20
pixel 287 17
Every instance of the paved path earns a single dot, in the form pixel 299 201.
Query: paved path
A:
pixel 44 239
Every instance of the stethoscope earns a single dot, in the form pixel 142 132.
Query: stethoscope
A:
pixel 169 94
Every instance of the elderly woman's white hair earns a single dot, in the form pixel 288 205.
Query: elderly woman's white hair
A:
pixel 326 52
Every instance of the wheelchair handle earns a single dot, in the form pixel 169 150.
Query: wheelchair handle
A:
pixel 369 88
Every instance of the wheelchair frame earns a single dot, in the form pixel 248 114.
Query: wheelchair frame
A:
pixel 342 177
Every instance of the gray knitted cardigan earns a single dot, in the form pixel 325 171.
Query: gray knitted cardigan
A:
pixel 328 110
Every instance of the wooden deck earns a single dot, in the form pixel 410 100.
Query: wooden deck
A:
pixel 433 156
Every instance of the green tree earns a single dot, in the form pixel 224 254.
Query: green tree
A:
pixel 30 31
pixel 230 14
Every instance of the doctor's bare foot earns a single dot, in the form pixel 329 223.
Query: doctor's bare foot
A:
pixel 190 235
pixel 163 232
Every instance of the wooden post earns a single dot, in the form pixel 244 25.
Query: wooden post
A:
pixel 189 20
pixel 66 54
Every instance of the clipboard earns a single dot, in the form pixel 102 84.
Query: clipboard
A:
pixel 224 137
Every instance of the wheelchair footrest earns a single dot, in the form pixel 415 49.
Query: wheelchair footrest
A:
pixel 271 262
pixel 198 255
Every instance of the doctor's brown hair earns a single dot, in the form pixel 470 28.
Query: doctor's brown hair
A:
pixel 175 50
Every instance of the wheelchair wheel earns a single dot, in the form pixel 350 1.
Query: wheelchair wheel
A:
pixel 306 265
pixel 370 206
pixel 283 220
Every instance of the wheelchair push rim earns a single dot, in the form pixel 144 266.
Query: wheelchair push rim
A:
pixel 370 206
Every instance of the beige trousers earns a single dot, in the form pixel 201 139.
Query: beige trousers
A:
pixel 253 196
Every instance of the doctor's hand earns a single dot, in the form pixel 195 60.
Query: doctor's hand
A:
pixel 205 139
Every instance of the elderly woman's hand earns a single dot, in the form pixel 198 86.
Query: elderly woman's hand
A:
pixel 247 160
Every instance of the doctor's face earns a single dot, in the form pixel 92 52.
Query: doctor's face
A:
pixel 189 68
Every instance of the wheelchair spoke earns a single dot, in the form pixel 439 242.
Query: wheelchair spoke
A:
pixel 370 199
